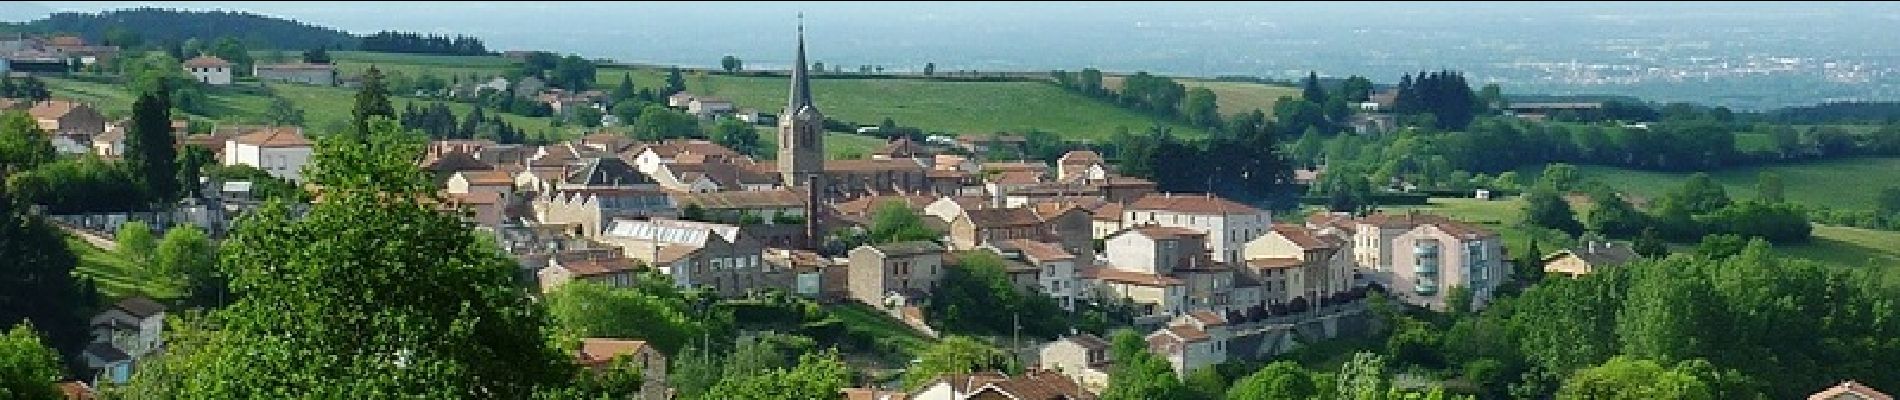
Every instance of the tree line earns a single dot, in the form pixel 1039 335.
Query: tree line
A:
pixel 416 43
pixel 134 28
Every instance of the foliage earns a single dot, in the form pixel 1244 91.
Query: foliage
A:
pixel 656 122
pixel 652 310
pixel 1444 95
pixel 29 88
pixel 372 100
pixel 1624 378
pixel 136 242
pixel 976 296
pixel 1560 177
pixel 263 184
pixel 343 277
pixel 1543 207
pixel 28 369
pixel 22 145
pixel 1613 216
pixel 1768 188
pixel 281 112
pixel 738 136
pixel 406 42
pixel 573 73
pixel 187 252
pixel 316 56
pixel 731 64
pixel 155 25
pixel 817 376
pixel 151 151
pixel 77 185
pixel 893 222
pixel 1362 378
pixel 953 355
pixel 1279 380
pixel 1142 376
pixel 36 285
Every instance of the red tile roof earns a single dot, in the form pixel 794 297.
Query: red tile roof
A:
pixel 207 62
pixel 1191 204
pixel 873 165
pixel 1188 333
pixel 595 351
pixel 277 136
pixel 986 218
pixel 1208 318
pixel 1038 250
pixel 1850 390
pixel 487 177
pixel 1302 237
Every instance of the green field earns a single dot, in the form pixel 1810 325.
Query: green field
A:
pixel 1841 183
pixel 1230 97
pixel 116 276
pixel 860 317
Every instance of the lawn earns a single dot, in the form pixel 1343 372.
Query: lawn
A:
pixel 860 317
pixel 1230 97
pixel 1840 183
pixel 116 276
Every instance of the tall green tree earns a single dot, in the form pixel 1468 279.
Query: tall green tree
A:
pixel 281 112
pixel 977 296
pixel 192 161
pixel 344 278
pixel 36 280
pixel 1613 216
pixel 151 150
pixel 136 242
pixel 652 310
pixel 372 100
pixel 22 145
pixel 1200 109
pixel 1631 379
pixel 894 222
pixel 186 253
pixel 1143 376
pixel 1310 90
pixel 738 136
pixel 817 376
pixel 1279 380
pixel 1543 207
pixel 1700 195
pixel 731 64
pixel 954 355
pixel 27 368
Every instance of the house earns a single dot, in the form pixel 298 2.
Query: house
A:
pixel 480 208
pixel 121 335
pixel 1849 390
pixel 756 117
pixel 1081 164
pixel 70 125
pixel 209 70
pixel 1593 255
pixel 1173 270
pixel 588 211
pixel 482 181
pixel 812 276
pixel 680 100
pixel 1031 385
pixel 305 73
pixel 1299 266
pixel 906 269
pixel 782 206
pixel 901 147
pixel 981 226
pixel 649 157
pixel 603 267
pixel 529 86
pixel 1187 348
pixel 597 354
pixel 708 107
pixel 1083 357
pixel 1435 257
pixel 605 173
pixel 694 173
pixel 281 151
pixel 444 165
pixel 852 178
pixel 1374 124
pixel 1228 225
pixel 872 394
pixel 696 254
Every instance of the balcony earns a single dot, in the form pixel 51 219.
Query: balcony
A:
pixel 1426 287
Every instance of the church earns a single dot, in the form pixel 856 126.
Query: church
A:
pixel 801 151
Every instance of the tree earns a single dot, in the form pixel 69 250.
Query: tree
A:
pixel 150 149
pixel 136 242
pixel 953 355
pixel 1650 244
pixel 930 69
pixel 1560 177
pixel 1613 216
pixel 651 310
pixel 230 49
pixel 817 376
pixel 1311 92
pixel 28 369
pixel 622 91
pixel 185 252
pixel 1700 195
pixel 977 296
pixel 23 146
pixel 1543 207
pixel 1206 383
pixel 1356 88
pixel 342 276
pixel 37 287
pixel 731 64
pixel 1362 378
pixel 371 100
pixel 1624 378
pixel 1143 376
pixel 281 112
pixel 894 222
pixel 1279 380
pixel 316 56
pixel 738 136
pixel 573 73
pixel 1199 108
pixel 675 83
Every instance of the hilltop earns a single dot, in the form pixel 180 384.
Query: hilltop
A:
pixel 155 25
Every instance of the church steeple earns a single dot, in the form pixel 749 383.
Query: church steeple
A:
pixel 801 79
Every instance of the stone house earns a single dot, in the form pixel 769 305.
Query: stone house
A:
pixel 697 254
pixel 906 269
pixel 1083 357
pixel 597 354
pixel 594 265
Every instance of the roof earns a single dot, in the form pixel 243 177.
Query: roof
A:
pixel 1208 318
pixel 687 233
pixel 1415 219
pixel 1108 212
pixel 673 148
pixel 985 218
pixel 1165 232
pixel 275 136
pixel 75 390
pixel 1036 385
pixel 1037 250
pixel 902 147
pixel 1088 341
pixel 756 199
pixel 105 352
pixel 1600 253
pixel 1302 237
pixel 1849 390
pixel 54 109
pixel 1016 177
pixel 1191 204
pixel 1080 157
pixel 598 266
pixel 908 248
pixel 1015 166
pixel 296 66
pixel 1274 263
pixel 599 350
pixel 872 394
pixel 867 204
pixel 454 161
pixel 487 177
pixel 472 198
pixel 206 62
pixel 140 306
pixel 1188 333
pixel 606 171
pixel 872 165
pixel 1129 277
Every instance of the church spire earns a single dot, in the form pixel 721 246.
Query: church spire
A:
pixel 801 79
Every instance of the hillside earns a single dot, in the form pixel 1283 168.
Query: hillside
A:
pixel 1230 98
pixel 153 25
pixel 1840 183
pixel 941 106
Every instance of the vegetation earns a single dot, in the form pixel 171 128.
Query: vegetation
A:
pixel 406 42
pixel 653 310
pixel 954 355
pixel 976 296
pixel 28 368
pixel 149 26
pixel 37 287
pixel 894 222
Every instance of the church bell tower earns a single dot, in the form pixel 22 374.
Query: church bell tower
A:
pixel 801 128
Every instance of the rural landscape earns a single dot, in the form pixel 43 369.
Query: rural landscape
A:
pixel 213 204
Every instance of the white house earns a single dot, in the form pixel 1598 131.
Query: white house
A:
pixel 280 150
pixel 1229 225
pixel 209 70
pixel 707 107
pixel 129 330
